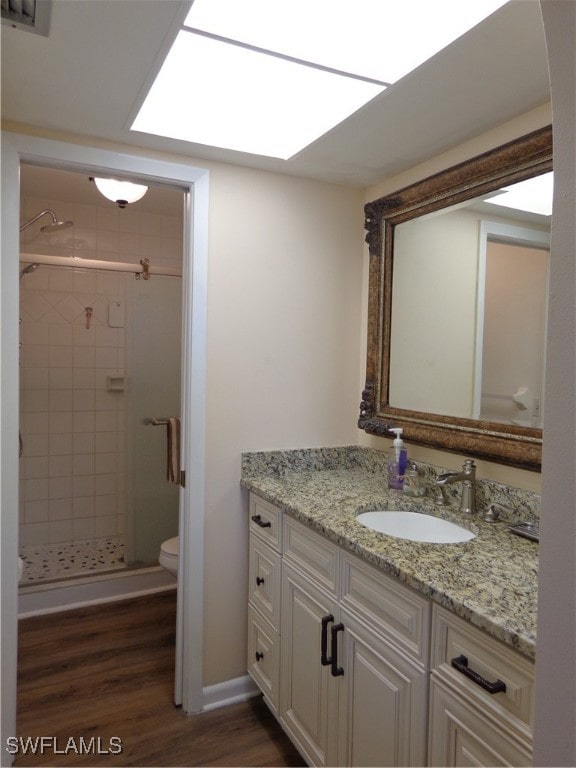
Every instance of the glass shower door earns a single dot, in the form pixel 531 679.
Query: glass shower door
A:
pixel 153 381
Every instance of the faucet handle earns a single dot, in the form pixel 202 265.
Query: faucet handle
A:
pixel 469 467
pixel 441 499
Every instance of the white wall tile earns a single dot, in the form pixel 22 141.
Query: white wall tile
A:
pixel 60 509
pixel 83 464
pixel 83 506
pixel 36 400
pixel 60 444
pixel 60 400
pixel 60 333
pixel 83 442
pixel 60 422
pixel 82 529
pixel 36 533
pixel 60 487
pixel 36 445
pixel 34 467
pixel 36 511
pixel 105 526
pixel 59 531
pixel 83 486
pixel 84 400
pixel 60 466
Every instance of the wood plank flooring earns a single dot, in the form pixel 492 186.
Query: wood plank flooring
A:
pixel 107 671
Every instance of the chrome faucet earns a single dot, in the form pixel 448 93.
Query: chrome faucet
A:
pixel 468 479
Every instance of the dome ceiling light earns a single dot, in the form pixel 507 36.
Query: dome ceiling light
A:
pixel 120 192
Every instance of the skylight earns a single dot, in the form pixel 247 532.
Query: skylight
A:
pixel 270 77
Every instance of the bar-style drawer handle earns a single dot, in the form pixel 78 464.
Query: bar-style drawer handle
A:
pixel 335 669
pixel 461 664
pixel 324 659
pixel 258 520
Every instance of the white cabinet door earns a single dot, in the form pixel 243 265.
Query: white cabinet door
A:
pixel 461 734
pixel 308 692
pixel 382 701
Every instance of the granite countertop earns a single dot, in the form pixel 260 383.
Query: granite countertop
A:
pixel 491 581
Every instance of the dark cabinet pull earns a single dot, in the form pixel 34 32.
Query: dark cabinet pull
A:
pixel 336 670
pixel 461 664
pixel 324 640
pixel 259 580
pixel 258 520
pixel 259 655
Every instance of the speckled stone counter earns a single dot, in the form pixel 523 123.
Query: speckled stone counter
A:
pixel 490 581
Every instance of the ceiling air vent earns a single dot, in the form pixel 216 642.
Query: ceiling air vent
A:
pixel 30 15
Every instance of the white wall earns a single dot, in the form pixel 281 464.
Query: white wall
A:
pixel 555 728
pixel 284 319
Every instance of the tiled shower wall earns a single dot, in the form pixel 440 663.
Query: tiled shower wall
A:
pixel 72 413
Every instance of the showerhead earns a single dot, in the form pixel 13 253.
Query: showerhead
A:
pixel 56 225
pixel 27 270
pixel 53 227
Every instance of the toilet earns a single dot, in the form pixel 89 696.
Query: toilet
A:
pixel 168 559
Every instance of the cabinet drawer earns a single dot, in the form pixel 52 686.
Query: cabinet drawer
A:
pixel 311 553
pixel 264 580
pixel 461 734
pixel 266 522
pixel 452 637
pixel 264 656
pixel 389 607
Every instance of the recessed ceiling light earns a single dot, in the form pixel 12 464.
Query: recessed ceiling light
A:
pixel 382 39
pixel 269 78
pixel 245 100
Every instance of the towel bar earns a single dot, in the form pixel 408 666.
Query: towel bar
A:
pixel 153 422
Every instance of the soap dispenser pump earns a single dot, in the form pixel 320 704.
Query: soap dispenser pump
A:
pixel 397 460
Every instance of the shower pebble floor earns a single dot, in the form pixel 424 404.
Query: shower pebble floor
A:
pixel 48 562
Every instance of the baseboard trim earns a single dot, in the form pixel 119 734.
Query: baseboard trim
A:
pixel 41 599
pixel 230 692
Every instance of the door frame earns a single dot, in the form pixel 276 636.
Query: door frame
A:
pixel 194 181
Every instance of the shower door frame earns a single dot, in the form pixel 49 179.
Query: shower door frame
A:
pixel 193 181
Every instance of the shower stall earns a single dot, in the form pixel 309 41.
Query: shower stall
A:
pixel 100 356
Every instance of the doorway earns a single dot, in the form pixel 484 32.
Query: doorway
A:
pixel 100 356
pixel 17 149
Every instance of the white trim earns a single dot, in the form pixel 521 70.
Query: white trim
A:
pixel 230 692
pixel 41 599
pixel 193 181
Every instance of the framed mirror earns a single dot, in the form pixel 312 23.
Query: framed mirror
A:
pixel 458 285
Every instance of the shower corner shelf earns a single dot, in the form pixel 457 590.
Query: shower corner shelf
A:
pixel 115 383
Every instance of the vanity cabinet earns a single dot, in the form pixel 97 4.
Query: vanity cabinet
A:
pixel 264 570
pixel 481 698
pixel 361 670
pixel 352 687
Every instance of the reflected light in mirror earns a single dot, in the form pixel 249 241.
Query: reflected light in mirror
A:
pixel 533 195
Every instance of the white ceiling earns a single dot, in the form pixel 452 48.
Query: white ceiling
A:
pixel 90 74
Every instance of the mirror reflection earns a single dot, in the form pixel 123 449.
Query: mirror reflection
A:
pixel 468 323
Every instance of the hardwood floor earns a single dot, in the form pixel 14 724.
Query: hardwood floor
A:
pixel 106 673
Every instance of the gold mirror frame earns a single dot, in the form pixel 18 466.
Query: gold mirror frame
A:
pixel 518 446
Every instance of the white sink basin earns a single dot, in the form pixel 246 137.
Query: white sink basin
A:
pixel 415 526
